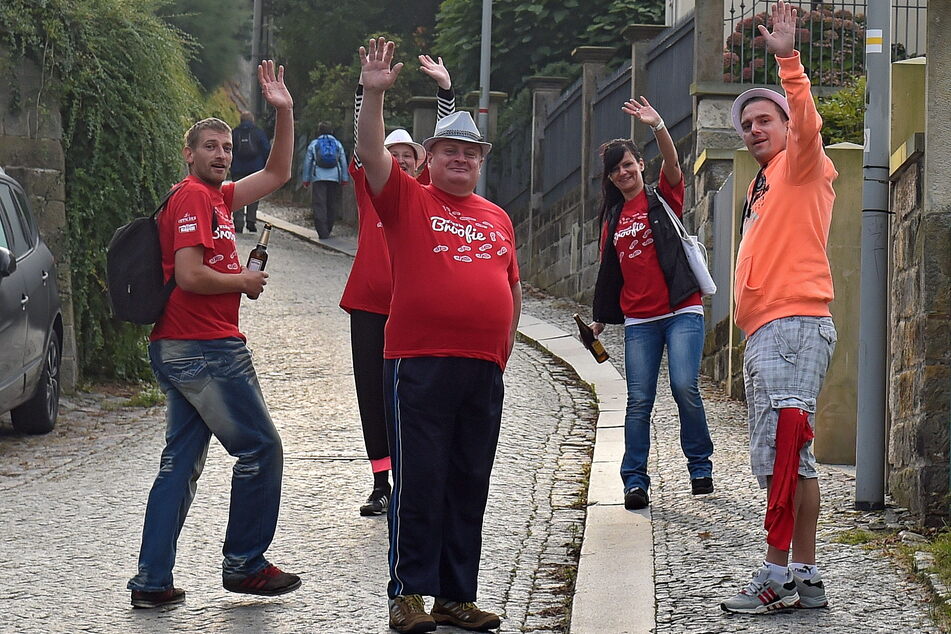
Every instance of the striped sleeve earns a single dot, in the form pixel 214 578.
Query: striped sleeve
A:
pixel 357 104
pixel 445 103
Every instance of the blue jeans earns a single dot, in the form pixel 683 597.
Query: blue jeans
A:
pixel 643 348
pixel 211 388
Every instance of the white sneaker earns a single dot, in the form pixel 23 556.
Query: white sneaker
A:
pixel 763 595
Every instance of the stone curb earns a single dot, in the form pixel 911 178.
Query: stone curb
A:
pixel 614 590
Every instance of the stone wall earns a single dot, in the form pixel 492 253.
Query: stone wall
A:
pixel 919 394
pixel 31 151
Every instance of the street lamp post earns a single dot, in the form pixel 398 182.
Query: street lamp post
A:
pixel 484 73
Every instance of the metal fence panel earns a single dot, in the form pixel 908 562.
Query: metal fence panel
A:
pixel 561 147
pixel 830 39
pixel 608 121
pixel 511 168
pixel 669 75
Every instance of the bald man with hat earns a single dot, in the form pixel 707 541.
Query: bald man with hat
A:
pixel 455 306
pixel 366 296
pixel 783 288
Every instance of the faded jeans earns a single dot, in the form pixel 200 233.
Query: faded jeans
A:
pixel 643 348
pixel 211 388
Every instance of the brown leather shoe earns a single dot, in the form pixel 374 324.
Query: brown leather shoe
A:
pixel 408 614
pixel 464 614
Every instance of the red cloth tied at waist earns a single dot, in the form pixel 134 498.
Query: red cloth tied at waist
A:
pixel 792 434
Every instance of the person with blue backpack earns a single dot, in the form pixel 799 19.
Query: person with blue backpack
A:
pixel 325 165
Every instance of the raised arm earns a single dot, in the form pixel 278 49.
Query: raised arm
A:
pixel 645 113
pixel 805 153
pixel 445 98
pixel 277 171
pixel 377 76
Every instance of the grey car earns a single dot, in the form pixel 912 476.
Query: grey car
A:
pixel 31 322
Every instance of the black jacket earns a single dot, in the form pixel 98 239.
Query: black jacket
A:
pixel 681 282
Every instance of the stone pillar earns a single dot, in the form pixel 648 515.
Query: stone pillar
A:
pixel 920 401
pixel 424 117
pixel 640 36
pixel 31 151
pixel 545 90
pixel 593 60
pixel 496 98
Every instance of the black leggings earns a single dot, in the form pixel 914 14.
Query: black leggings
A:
pixel 366 344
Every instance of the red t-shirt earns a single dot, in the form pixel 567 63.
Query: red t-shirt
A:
pixel 644 293
pixel 370 284
pixel 454 266
pixel 186 222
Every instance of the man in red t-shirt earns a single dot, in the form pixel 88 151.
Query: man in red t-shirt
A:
pixel 454 310
pixel 202 364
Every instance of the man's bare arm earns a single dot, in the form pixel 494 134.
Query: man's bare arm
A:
pixel 377 76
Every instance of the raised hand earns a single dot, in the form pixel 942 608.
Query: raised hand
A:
pixel 642 111
pixel 436 70
pixel 375 71
pixel 272 85
pixel 782 41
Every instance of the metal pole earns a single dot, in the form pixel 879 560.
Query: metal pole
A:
pixel 256 58
pixel 872 384
pixel 484 72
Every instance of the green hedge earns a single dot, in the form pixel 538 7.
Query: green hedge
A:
pixel 126 94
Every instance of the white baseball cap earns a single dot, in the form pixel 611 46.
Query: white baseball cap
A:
pixel 756 93
pixel 459 126
pixel 401 136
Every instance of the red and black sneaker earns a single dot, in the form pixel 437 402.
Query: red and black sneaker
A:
pixel 142 599
pixel 269 581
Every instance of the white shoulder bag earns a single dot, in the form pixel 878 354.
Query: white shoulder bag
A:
pixel 694 250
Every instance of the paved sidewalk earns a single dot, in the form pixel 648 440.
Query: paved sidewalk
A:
pixel 667 568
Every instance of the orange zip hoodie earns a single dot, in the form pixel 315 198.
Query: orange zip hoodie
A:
pixel 782 268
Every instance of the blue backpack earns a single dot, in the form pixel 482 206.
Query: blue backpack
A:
pixel 326 151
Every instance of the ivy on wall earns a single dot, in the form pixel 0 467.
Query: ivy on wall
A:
pixel 126 94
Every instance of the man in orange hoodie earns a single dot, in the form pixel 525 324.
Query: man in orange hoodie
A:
pixel 783 288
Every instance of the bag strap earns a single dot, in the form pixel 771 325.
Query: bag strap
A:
pixel 678 225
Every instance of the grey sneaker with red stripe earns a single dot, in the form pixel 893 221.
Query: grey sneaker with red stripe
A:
pixel 812 592
pixel 269 581
pixel 763 595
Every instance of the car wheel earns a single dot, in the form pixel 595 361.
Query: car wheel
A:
pixel 38 415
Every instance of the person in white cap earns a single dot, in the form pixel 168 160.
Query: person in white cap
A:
pixel 366 296
pixel 455 306
pixel 783 288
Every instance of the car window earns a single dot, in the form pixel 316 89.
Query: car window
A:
pixel 3 231
pixel 26 218
pixel 19 243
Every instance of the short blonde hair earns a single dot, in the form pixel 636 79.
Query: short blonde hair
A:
pixel 211 123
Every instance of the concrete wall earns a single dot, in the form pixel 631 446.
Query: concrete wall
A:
pixel 31 151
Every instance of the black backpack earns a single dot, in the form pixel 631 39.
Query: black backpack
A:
pixel 247 146
pixel 137 290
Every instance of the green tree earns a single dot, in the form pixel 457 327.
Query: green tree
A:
pixel 126 95
pixel 527 36
pixel 217 31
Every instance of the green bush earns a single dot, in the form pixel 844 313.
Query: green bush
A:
pixel 843 114
pixel 126 95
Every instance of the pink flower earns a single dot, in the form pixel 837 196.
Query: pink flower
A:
pixel 747 73
pixel 759 42
pixel 805 36
pixel 757 63
pixel 730 58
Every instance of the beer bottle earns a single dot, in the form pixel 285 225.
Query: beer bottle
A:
pixel 590 341
pixel 258 257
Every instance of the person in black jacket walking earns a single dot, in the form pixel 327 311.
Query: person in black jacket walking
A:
pixel 645 283
pixel 249 151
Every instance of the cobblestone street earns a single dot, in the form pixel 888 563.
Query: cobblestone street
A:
pixel 72 502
